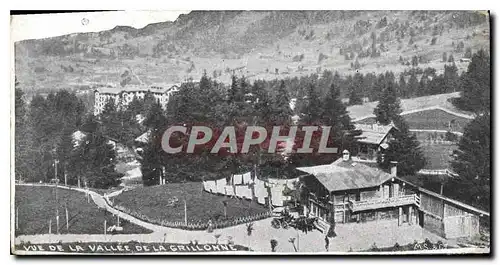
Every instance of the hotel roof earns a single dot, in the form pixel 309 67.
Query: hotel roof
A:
pixel 137 88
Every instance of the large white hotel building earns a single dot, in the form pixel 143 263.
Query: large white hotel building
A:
pixel 125 95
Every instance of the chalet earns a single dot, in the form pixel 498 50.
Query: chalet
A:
pixel 373 139
pixel 347 191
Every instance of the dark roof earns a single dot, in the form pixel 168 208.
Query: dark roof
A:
pixel 347 175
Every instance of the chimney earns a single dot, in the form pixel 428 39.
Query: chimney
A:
pixel 346 155
pixel 394 168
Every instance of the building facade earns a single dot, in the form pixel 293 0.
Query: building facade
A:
pixel 373 139
pixel 348 191
pixel 124 95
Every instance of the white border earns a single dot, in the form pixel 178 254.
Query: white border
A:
pixel 199 5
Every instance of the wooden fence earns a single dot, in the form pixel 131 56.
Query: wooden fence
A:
pixel 198 225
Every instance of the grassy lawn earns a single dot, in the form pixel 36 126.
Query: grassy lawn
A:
pixel 153 202
pixel 436 120
pixel 430 120
pixel 438 155
pixel 37 205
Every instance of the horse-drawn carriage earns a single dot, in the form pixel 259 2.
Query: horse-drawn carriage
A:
pixel 285 220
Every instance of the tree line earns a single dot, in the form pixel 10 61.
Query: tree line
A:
pixel 45 128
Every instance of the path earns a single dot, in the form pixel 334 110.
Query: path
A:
pixel 349 236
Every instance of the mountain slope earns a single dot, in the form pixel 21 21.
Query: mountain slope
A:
pixel 258 44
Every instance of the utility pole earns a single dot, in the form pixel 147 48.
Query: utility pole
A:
pixel 65 177
pixel 57 199
pixel 298 241
pixel 67 221
pixel 17 218
pixel 185 213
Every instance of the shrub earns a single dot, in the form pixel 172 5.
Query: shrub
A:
pixel 274 244
pixel 249 228
pixel 397 246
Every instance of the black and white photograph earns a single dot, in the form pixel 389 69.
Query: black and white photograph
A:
pixel 251 132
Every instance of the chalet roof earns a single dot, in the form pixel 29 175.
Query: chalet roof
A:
pixel 373 133
pixel 347 175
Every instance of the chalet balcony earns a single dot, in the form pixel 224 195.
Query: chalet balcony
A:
pixel 357 206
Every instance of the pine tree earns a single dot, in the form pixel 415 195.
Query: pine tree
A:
pixel 388 108
pixel 149 99
pixel 95 159
pixel 451 78
pixel 22 137
pixel 378 87
pixel 312 111
pixel 403 89
pixel 136 106
pixel 152 161
pixel 236 93
pixel 414 61
pixel 112 126
pixel 335 114
pixel 472 164
pixel 64 152
pixel 451 59
pixel 476 86
pixel 280 107
pixel 261 104
pixel 413 85
pixel 155 118
pixel 404 149
pixel 354 97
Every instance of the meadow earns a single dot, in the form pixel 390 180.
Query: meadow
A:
pixel 36 207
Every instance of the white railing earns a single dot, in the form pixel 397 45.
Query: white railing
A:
pixel 383 203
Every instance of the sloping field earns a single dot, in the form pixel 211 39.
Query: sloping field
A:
pixel 159 203
pixel 438 155
pixel 432 119
pixel 412 105
pixel 37 205
pixel 436 120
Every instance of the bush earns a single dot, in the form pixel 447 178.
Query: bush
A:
pixel 249 228
pixel 397 246
pixel 274 244
pixel 449 136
